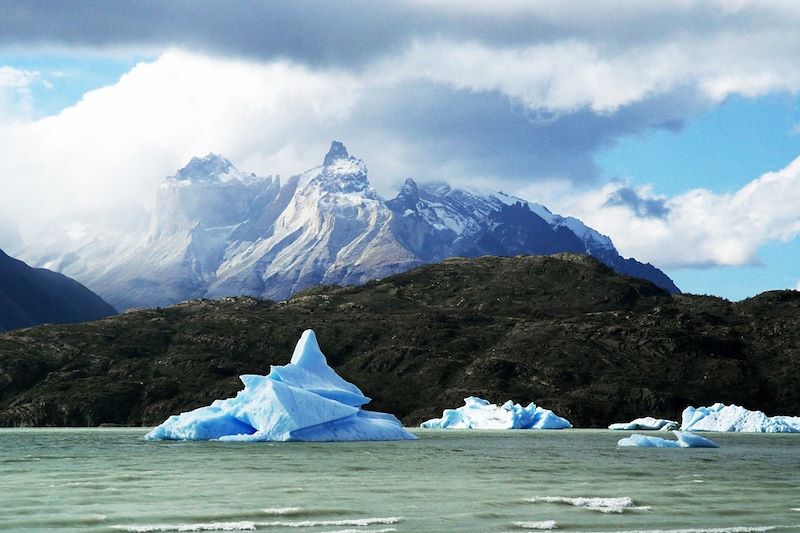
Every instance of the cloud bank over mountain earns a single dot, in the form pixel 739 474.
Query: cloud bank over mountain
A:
pixel 698 228
pixel 521 94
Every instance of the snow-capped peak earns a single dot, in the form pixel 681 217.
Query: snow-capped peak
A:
pixel 337 152
pixel 216 231
pixel 340 172
pixel 209 168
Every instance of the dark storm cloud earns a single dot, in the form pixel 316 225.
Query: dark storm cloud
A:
pixel 644 207
pixel 482 132
pixel 470 134
pixel 348 33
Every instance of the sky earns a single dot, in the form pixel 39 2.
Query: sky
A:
pixel 672 127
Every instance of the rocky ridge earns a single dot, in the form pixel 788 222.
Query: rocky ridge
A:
pixel 563 331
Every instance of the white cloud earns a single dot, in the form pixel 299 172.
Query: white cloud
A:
pixel 15 92
pixel 567 75
pixel 118 142
pixel 115 145
pixel 13 78
pixel 700 228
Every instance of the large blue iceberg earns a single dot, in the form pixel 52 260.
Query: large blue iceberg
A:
pixel 685 440
pixel 477 413
pixel 721 417
pixel 305 400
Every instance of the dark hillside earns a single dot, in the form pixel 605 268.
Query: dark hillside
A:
pixel 563 331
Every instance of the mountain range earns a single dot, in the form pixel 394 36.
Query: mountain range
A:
pixel 32 296
pixel 216 231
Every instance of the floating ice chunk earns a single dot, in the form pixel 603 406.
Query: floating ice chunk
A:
pixel 647 423
pixel 646 441
pixel 721 417
pixel 690 440
pixel 685 440
pixel 305 400
pixel 477 413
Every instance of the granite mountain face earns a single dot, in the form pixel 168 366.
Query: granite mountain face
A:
pixel 216 232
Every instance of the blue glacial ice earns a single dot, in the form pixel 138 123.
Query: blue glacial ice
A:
pixel 477 413
pixel 685 440
pixel 721 417
pixel 647 423
pixel 305 400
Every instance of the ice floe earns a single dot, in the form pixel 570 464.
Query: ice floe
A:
pixel 721 417
pixel 477 413
pixel 685 440
pixel 647 423
pixel 302 401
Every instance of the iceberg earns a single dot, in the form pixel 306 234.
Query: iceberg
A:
pixel 477 413
pixel 305 400
pixel 685 440
pixel 721 417
pixel 647 423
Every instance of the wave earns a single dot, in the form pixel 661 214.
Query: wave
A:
pixel 247 525
pixel 735 529
pixel 283 511
pixel 384 530
pixel 603 505
pixel 334 523
pixel 544 524
pixel 207 526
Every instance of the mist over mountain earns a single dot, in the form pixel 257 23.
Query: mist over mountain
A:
pixel 216 231
pixel 33 296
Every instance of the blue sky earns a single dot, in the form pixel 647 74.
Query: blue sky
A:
pixel 722 150
pixel 69 76
pixel 659 135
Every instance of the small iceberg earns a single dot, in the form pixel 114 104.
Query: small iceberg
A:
pixel 721 417
pixel 305 400
pixel 478 413
pixel 647 423
pixel 685 440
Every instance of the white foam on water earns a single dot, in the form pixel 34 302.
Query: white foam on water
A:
pixel 603 505
pixel 795 509
pixel 204 526
pixel 735 529
pixel 543 524
pixel 384 530
pixel 252 526
pixel 334 523
pixel 282 511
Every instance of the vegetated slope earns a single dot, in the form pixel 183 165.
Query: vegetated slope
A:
pixel 562 330
pixel 32 296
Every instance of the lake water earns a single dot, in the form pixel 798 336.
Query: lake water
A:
pixel 482 481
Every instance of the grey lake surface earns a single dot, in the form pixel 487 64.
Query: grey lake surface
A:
pixel 448 480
